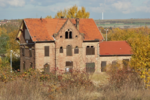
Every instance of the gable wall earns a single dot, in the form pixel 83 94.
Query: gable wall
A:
pixel 26 47
pixel 79 60
pixel 61 58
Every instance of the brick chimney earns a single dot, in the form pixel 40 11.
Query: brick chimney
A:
pixel 77 23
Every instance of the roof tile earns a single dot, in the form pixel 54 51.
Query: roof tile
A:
pixel 115 48
pixel 42 30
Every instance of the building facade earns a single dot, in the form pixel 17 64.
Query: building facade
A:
pixel 64 45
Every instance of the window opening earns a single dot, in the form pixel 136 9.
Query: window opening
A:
pixel 46 68
pixel 115 65
pixel 70 35
pixel 66 35
pixel 69 67
pixel 103 66
pixel 46 50
pixel 76 50
pixel 69 50
pixel 125 63
pixel 61 49
pixel 31 65
pixel 88 50
pixel 92 51
pixel 90 67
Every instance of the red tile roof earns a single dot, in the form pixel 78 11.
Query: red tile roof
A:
pixel 43 30
pixel 115 48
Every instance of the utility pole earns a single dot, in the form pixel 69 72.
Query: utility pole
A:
pixel 11 60
pixel 106 33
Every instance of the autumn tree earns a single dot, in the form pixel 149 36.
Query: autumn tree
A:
pixel 140 61
pixel 3 43
pixel 72 12
pixel 12 43
pixel 48 17
pixel 139 40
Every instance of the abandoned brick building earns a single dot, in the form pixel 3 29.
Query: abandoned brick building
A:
pixel 66 44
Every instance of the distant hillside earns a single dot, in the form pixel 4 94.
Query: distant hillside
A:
pixel 123 23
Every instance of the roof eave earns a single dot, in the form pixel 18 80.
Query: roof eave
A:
pixel 116 55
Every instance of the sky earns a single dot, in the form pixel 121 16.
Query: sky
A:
pixel 112 9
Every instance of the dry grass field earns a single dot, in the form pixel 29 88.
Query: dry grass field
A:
pixel 33 85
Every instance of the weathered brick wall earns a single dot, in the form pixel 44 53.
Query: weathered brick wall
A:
pixel 92 58
pixel 79 60
pixel 40 59
pixel 110 59
pixel 26 58
pixel 61 58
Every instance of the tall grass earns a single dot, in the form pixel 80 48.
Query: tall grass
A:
pixel 33 85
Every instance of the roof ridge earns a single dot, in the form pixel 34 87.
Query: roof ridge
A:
pixel 115 41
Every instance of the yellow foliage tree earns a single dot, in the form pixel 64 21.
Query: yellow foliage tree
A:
pixel 2 30
pixel 139 40
pixel 12 43
pixel 48 17
pixel 73 12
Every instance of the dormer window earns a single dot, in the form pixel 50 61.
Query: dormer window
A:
pixel 68 34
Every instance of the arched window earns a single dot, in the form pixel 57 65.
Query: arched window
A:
pixel 76 50
pixel 46 68
pixel 66 35
pixel 70 35
pixel 69 50
pixel 61 49
pixel 92 50
pixel 88 50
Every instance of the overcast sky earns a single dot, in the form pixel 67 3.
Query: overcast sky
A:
pixel 113 9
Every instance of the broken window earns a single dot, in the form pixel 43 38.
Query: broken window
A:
pixel 46 68
pixel 92 50
pixel 90 67
pixel 61 49
pixel 69 50
pixel 103 66
pixel 69 67
pixel 46 50
pixel 88 50
pixel 70 35
pixel 66 35
pixel 76 50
